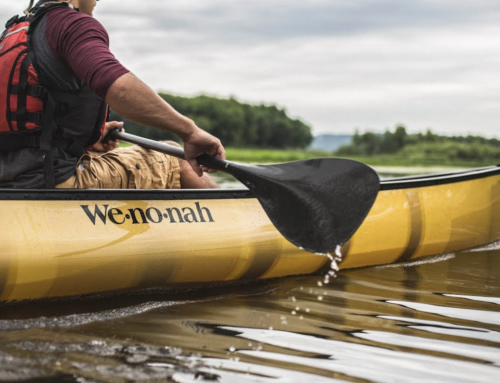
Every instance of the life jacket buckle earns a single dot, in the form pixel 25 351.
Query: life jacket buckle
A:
pixel 37 91
pixel 13 20
pixel 33 141
pixel 38 118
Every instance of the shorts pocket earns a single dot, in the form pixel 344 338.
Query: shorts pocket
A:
pixel 103 173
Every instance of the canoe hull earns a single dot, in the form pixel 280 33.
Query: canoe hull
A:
pixel 414 222
pixel 58 248
pixel 65 243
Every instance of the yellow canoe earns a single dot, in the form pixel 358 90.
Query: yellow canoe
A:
pixel 60 243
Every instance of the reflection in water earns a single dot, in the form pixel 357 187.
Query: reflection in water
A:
pixel 449 329
pixel 433 321
pixel 364 361
pixel 481 316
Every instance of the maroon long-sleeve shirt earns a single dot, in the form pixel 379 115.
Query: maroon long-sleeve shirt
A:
pixel 82 42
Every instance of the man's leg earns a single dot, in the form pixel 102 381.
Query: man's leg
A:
pixel 191 180
pixel 134 167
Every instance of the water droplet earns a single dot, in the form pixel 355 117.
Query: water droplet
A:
pixel 334 265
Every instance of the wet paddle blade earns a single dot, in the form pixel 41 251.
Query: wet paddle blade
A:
pixel 316 204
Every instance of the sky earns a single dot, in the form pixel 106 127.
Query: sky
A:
pixel 338 65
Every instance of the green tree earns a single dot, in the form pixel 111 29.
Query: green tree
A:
pixel 243 125
pixel 427 148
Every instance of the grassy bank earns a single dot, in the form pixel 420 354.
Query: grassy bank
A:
pixel 267 156
pixel 274 156
pixel 263 156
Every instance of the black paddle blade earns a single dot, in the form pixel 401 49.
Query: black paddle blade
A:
pixel 316 204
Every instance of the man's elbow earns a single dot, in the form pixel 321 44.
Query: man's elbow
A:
pixel 119 89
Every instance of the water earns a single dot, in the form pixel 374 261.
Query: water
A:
pixel 436 320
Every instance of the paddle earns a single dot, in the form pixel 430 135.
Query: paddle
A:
pixel 316 204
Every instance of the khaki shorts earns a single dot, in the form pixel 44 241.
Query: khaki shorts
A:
pixel 132 167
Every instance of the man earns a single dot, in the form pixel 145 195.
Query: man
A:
pixel 73 62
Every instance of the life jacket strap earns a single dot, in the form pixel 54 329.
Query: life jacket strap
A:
pixel 35 118
pixel 46 141
pixel 31 90
pixel 22 92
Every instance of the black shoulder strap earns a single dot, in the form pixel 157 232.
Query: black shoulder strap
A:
pixel 49 105
pixel 38 12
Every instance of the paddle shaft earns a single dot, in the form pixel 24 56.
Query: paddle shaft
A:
pixel 175 151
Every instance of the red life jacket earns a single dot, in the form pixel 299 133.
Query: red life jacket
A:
pixel 21 96
pixel 34 116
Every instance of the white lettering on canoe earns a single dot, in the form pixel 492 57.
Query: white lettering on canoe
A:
pixel 151 215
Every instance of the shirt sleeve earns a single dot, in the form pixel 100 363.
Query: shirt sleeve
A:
pixel 83 43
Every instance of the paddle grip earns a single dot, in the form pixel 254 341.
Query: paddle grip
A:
pixel 213 162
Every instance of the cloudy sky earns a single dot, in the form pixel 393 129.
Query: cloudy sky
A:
pixel 339 65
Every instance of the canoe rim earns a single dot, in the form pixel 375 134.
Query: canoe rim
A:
pixel 132 194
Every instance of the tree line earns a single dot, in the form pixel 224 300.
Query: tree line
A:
pixel 236 124
pixel 423 147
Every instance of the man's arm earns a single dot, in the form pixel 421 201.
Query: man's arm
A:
pixel 83 43
pixel 134 100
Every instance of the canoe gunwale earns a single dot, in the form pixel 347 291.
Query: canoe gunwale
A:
pixel 121 194
pixel 406 182
pixel 410 182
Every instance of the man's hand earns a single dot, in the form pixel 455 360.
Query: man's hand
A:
pixel 111 144
pixel 201 142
